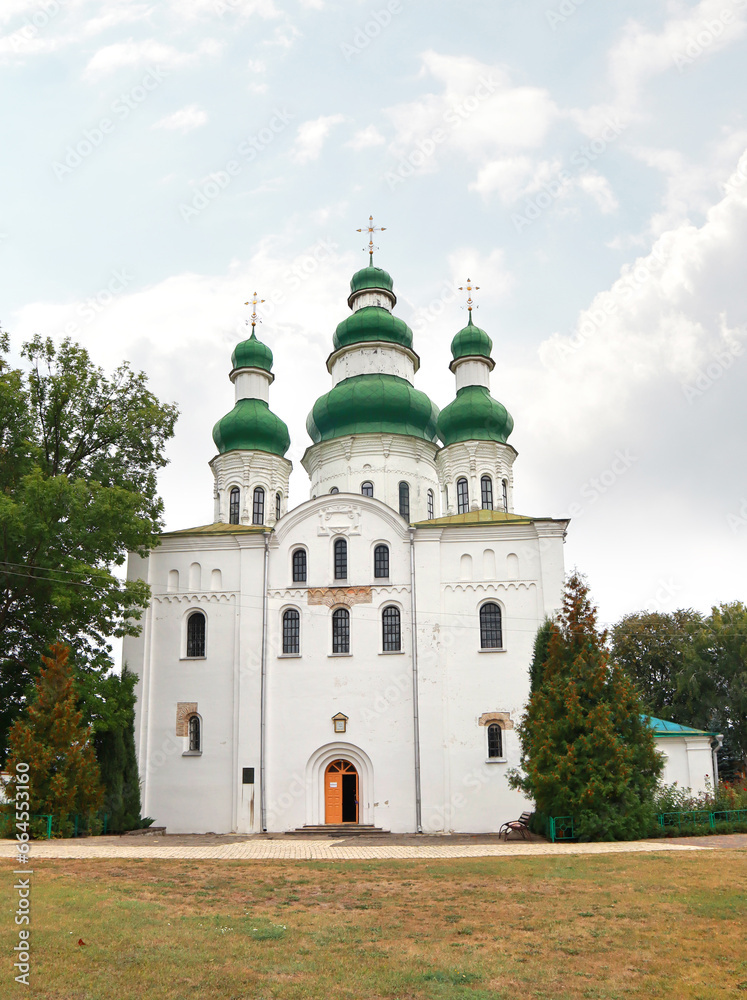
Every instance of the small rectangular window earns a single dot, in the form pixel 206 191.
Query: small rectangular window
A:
pixel 341 631
pixel 462 496
pixel 381 562
pixel 341 559
pixel 486 486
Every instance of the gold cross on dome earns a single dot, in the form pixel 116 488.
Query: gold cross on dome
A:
pixel 254 302
pixel 371 229
pixel 469 288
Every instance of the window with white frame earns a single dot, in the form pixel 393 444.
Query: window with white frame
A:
pixel 341 631
pixel 194 734
pixel 486 490
pixel 495 741
pixel 258 507
pixel 234 507
pixel 291 632
pixel 391 626
pixel 491 626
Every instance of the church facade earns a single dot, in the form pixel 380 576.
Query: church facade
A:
pixel 363 657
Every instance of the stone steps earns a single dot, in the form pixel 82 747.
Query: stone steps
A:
pixel 342 830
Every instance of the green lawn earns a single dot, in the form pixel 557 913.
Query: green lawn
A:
pixel 614 926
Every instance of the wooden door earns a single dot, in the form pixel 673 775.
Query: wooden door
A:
pixel 337 776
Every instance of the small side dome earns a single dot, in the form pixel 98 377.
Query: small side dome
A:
pixel 251 426
pixel 474 416
pixel 372 323
pixel 371 277
pixel 471 341
pixel 252 353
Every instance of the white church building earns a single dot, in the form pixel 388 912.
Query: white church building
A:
pixel 361 658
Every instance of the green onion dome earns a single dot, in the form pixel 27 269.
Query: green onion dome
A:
pixel 372 404
pixel 252 353
pixel 471 341
pixel 474 416
pixel 372 323
pixel 371 277
pixel 251 426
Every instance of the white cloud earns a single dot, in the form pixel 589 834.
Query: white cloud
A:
pixel 365 138
pixel 693 32
pixel 598 188
pixel 185 120
pixel 312 135
pixel 122 55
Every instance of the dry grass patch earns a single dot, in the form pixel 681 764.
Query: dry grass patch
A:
pixel 603 927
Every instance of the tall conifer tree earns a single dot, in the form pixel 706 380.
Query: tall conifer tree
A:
pixel 587 751
pixel 53 740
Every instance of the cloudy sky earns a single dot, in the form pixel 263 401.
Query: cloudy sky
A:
pixel 584 163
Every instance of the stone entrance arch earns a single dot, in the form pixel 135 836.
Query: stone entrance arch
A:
pixel 316 769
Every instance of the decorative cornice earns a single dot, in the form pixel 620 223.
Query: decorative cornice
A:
pixel 491 587
pixel 206 598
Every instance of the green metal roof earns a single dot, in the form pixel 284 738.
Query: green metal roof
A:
pixel 372 404
pixel 251 426
pixel 372 323
pixel 218 528
pixel 252 353
pixel 371 277
pixel 474 416
pixel 471 341
pixel 662 727
pixel 477 517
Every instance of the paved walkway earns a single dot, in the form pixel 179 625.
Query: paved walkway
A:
pixel 333 849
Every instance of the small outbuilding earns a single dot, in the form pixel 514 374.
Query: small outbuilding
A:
pixel 690 755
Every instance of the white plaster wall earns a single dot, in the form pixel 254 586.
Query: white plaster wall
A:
pixel 252 383
pixel 458 683
pixel 472 460
pixel 383 459
pixel 373 359
pixel 688 762
pixel 471 373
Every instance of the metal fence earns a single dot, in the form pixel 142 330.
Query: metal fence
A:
pixel 561 828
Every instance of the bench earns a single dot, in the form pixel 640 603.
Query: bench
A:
pixel 521 824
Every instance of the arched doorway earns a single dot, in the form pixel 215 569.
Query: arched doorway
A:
pixel 340 793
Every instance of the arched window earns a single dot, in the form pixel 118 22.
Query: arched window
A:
pixel 367 489
pixel 495 740
pixel 431 500
pixel 278 499
pixel 299 566
pixel 505 495
pixel 258 510
pixel 404 500
pixel 486 488
pixel 341 631
pixel 391 629
pixel 234 506
pixel 381 562
pixel 196 634
pixel 462 496
pixel 491 630
pixel 341 559
pixel 291 631
pixel 334 490
pixel 195 741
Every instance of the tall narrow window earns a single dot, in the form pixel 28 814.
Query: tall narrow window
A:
pixel 392 630
pixel 234 506
pixel 505 495
pixel 291 631
pixel 341 559
pixel 196 634
pixel 195 743
pixel 381 562
pixel 299 566
pixel 462 496
pixel 491 630
pixel 404 500
pixel 341 631
pixel 495 740
pixel 431 500
pixel 367 489
pixel 277 506
pixel 258 510
pixel 486 488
